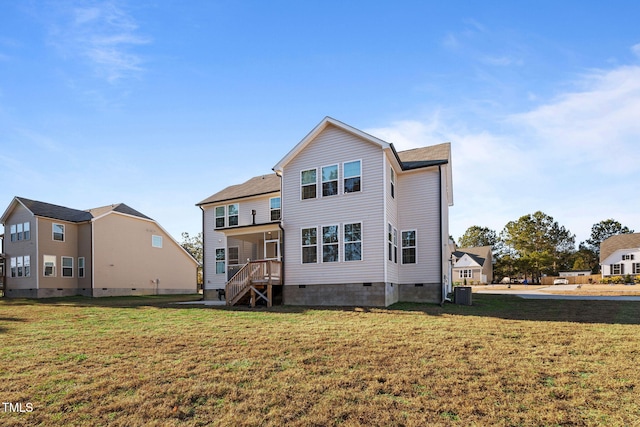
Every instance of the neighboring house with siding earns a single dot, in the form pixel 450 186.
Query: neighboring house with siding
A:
pixel 113 250
pixel 473 265
pixel 357 223
pixel 620 255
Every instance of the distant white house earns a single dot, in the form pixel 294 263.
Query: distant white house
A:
pixel 473 265
pixel 620 255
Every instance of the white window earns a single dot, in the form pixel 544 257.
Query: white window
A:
pixel 466 274
pixel 220 215
pixel 220 261
pixel 14 267
pixel 58 232
pixel 309 245
pixel 329 180
pixel 14 233
pixel 27 231
pixel 81 267
pixel 67 266
pixel 20 231
pixel 20 261
pixel 232 214
pixel 390 241
pixel 353 242
pixel 393 182
pixel 330 251
pixel 49 262
pixel 274 208
pixel 308 184
pixel 626 257
pixel 395 245
pixel 617 268
pixel 27 265
pixel 409 247
pixel 352 176
pixel 156 241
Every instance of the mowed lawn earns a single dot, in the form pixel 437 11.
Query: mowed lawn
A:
pixel 142 361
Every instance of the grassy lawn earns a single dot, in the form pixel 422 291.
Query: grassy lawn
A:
pixel 142 361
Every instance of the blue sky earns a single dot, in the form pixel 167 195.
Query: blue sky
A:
pixel 159 104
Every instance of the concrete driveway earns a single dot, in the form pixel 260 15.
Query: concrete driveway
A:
pixel 544 293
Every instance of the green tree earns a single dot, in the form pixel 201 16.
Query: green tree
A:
pixel 478 236
pixel 539 243
pixel 193 245
pixel 602 231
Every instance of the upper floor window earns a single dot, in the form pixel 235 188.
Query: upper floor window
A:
pixel 409 247
pixel 232 214
pixel 329 180
pixel 58 232
pixel 156 241
pixel 20 231
pixel 274 208
pixel 393 183
pixel 627 257
pixel 352 176
pixel 220 215
pixel 353 242
pixel 308 183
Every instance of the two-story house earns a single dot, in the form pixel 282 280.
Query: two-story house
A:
pixel 345 220
pixel 620 255
pixel 114 250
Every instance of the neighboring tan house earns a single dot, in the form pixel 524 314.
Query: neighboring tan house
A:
pixel 475 265
pixel 620 255
pixel 345 220
pixel 53 250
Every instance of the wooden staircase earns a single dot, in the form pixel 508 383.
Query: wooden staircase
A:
pixel 255 280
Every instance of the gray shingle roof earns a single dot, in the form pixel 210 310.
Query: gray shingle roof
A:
pixel 120 207
pixel 49 210
pixel 617 242
pixel 263 184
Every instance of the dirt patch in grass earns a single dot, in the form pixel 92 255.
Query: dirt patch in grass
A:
pixel 503 361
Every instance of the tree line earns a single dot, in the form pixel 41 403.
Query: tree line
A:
pixel 536 245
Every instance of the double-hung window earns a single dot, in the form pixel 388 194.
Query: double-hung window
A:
pixel 58 232
pixel 352 176
pixel 27 265
pixel 353 242
pixel 220 215
pixel 395 245
pixel 232 214
pixel 14 232
pixel 20 232
pixel 409 247
pixel 390 241
pixel 49 262
pixel 67 266
pixel 329 180
pixel 27 231
pixel 393 183
pixel 309 245
pixel 308 183
pixel 617 268
pixel 14 267
pixel 220 261
pixel 274 208
pixel 636 268
pixel 466 273
pixel 81 267
pixel 330 251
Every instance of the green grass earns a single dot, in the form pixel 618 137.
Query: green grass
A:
pixel 144 361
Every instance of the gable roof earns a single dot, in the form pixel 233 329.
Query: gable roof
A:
pixel 617 242
pixel 409 159
pixel 256 186
pixel 49 210
pixel 479 253
pixel 120 208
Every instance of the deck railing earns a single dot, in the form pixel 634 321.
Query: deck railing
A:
pixel 254 272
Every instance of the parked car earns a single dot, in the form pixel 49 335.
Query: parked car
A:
pixel 561 281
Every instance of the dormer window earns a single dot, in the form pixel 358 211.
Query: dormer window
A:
pixel 627 257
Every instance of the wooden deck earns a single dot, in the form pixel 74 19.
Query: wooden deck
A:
pixel 253 282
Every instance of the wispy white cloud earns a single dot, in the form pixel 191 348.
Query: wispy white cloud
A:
pixel 636 49
pixel 103 34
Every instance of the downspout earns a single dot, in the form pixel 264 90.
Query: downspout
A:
pixel 204 257
pixel 443 295
pixel 282 240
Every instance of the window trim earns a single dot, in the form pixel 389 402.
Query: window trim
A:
pixel 155 238
pixel 619 267
pixel 345 177
pixel 345 242
pixel 278 209
pixel 14 232
pixel 236 215
pixel 336 243
pixel 337 180
pixel 313 245
pixel 414 246
pixel 44 265
pixel 635 267
pixel 216 217
pixel 63 268
pixel 392 179
pixel 221 261
pixel 389 242
pixel 13 267
pixel 81 267
pixel 53 232
pixel 465 273
pixel 315 183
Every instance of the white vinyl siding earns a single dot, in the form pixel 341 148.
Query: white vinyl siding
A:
pixel 366 207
